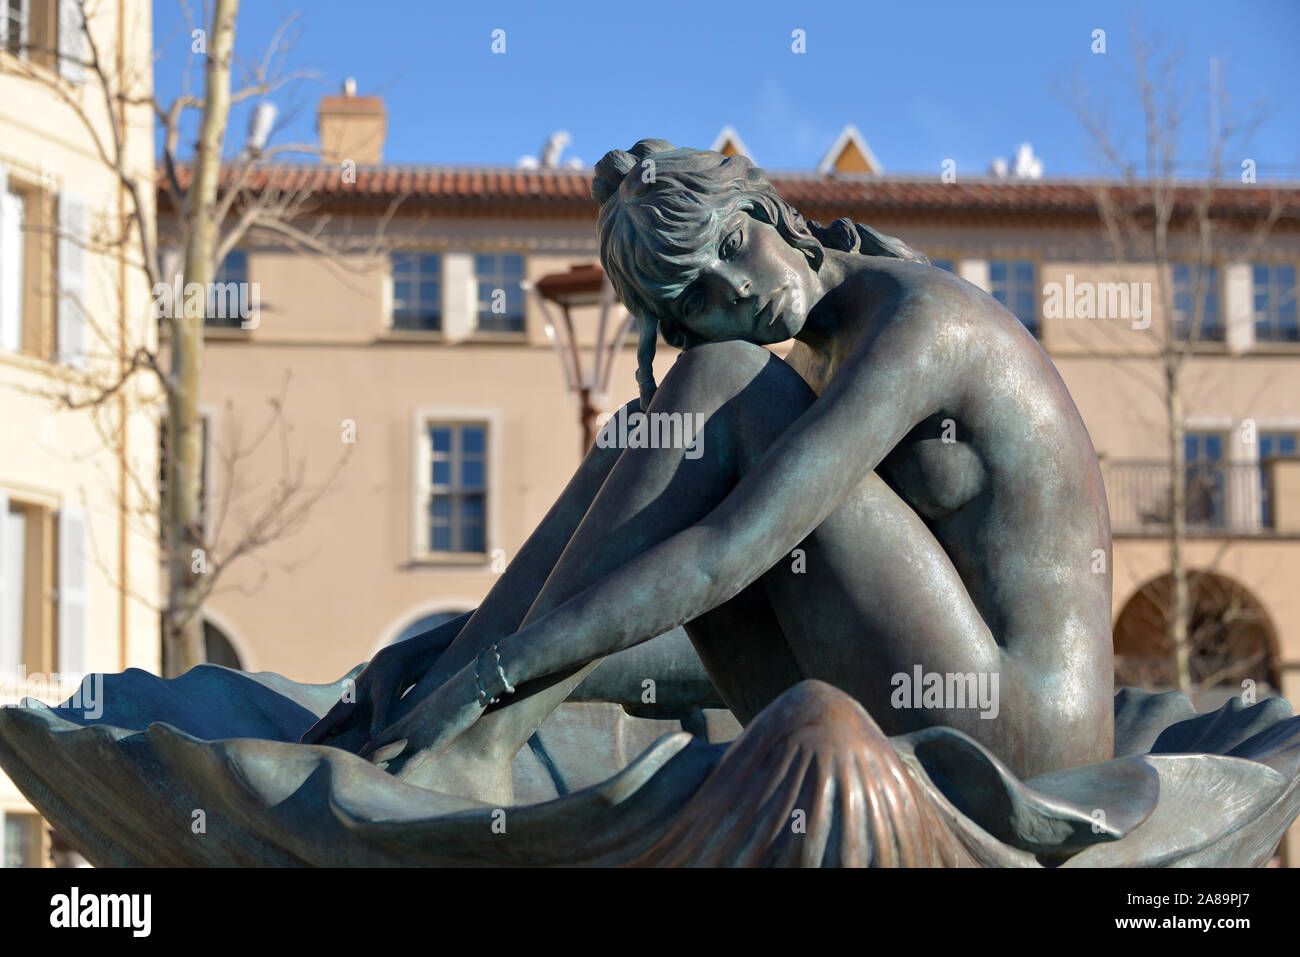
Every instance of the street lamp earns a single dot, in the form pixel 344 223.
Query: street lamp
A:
pixel 585 285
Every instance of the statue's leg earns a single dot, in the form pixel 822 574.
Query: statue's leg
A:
pixel 741 395
pixel 876 596
pixel 440 652
pixel 502 611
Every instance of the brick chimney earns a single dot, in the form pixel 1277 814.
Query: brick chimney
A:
pixel 352 127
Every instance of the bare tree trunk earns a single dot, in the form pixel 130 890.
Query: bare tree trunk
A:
pixel 208 229
pixel 183 622
pixel 1180 605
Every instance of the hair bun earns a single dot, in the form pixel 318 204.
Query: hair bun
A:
pixel 610 171
pixel 616 164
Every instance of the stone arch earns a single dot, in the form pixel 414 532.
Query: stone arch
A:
pixel 243 649
pixel 422 618
pixel 218 648
pixel 1231 634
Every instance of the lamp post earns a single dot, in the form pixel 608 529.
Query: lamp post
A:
pixel 585 285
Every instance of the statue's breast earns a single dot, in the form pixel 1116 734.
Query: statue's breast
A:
pixel 935 469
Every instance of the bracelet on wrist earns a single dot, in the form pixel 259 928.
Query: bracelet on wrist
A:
pixel 496 674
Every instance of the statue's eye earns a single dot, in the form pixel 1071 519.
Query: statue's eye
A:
pixel 693 302
pixel 731 245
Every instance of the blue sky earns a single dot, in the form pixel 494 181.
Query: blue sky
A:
pixel 924 82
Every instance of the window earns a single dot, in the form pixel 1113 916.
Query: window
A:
pixel 500 296
pixel 1273 445
pixel 21 839
pixel 39 545
pixel 15 24
pixel 1011 282
pixel 427 623
pixel 1204 496
pixel 1275 305
pixel 218 649
pixel 42 32
pixel 228 299
pixel 417 291
pixel 455 495
pixel 12 262
pixel 33 277
pixel 13 587
pixel 1189 281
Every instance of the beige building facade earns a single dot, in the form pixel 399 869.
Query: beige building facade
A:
pixel 78 562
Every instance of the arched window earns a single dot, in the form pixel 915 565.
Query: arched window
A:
pixel 426 623
pixel 1230 636
pixel 218 648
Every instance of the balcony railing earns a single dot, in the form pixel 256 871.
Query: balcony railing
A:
pixel 1222 499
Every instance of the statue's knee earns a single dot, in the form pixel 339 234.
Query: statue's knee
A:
pixel 733 358
pixel 712 374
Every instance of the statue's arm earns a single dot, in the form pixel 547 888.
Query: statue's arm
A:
pixel 441 652
pixel 514 592
pixel 899 374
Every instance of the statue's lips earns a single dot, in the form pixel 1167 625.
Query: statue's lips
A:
pixel 772 308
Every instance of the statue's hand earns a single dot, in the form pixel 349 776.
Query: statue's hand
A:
pixel 430 726
pixel 379 686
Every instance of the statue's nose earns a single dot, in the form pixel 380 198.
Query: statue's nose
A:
pixel 740 288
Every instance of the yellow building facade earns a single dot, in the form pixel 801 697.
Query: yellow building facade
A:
pixel 78 555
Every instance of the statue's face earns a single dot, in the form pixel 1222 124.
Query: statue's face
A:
pixel 754 286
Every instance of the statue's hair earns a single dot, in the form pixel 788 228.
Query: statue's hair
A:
pixel 661 211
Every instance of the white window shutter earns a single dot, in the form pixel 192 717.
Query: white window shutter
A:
pixel 975 272
pixel 459 296
pixel 72 41
pixel 72 280
pixel 1239 308
pixel 72 591
pixel 11 267
pixel 10 641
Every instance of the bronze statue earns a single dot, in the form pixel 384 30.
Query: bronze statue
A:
pixel 890 550
pixel 917 445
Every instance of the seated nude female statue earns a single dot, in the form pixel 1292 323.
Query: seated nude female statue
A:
pixel 916 444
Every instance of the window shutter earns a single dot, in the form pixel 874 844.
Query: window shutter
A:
pixel 459 296
pixel 72 591
pixel 1239 307
pixel 72 280
pixel 11 267
pixel 975 272
pixel 10 641
pixel 72 41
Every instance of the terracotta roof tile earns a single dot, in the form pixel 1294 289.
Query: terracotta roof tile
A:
pixel 512 191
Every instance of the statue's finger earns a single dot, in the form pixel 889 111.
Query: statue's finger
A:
pixel 388 735
pixel 388 752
